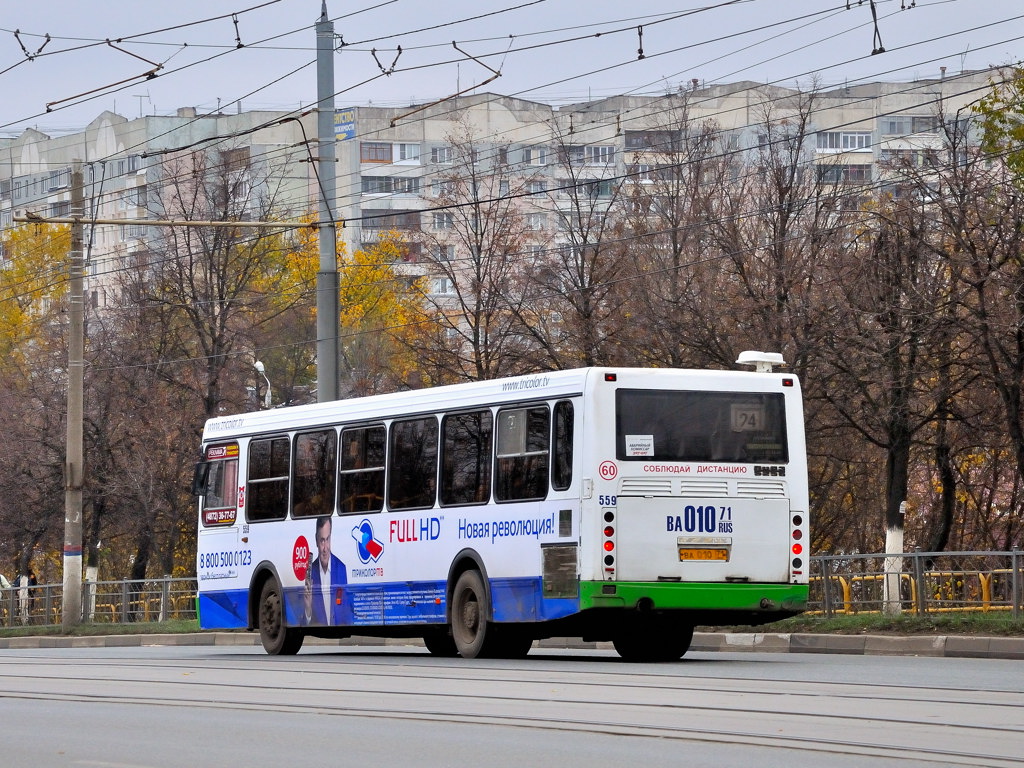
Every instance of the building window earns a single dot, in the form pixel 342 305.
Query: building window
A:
pixel 393 219
pixel 857 140
pixel 234 160
pixel 928 124
pixel 596 189
pixel 537 187
pixel 844 174
pixel 59 180
pixel 390 185
pixel 375 152
pixel 662 141
pixel 132 198
pixel 408 153
pixel 444 220
pixel 62 208
pixel 442 155
pixel 535 155
pixel 895 125
pixel 844 140
pixel 443 252
pixel 442 286
pixel 132 232
pixel 535 222
pixel 442 187
pixel 599 155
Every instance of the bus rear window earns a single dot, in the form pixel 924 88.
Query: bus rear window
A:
pixel 663 425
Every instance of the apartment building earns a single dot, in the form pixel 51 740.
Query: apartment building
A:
pixel 130 166
pixel 416 169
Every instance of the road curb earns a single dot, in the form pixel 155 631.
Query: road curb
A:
pixel 950 646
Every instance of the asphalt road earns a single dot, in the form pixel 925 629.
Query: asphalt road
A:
pixel 162 706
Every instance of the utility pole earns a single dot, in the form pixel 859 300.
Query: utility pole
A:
pixel 327 302
pixel 71 605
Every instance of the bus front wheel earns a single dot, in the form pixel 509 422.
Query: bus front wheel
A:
pixel 469 615
pixel 277 638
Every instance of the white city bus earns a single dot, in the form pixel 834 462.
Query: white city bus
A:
pixel 617 504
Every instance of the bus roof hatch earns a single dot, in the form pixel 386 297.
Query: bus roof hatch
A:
pixel 763 362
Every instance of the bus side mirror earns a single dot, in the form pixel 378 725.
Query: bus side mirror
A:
pixel 202 471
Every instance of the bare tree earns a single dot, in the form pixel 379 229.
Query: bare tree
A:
pixel 475 244
pixel 575 282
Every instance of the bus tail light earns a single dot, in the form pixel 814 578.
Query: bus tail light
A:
pixel 609 544
pixel 797 564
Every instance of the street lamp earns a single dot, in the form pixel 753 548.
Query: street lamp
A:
pixel 262 371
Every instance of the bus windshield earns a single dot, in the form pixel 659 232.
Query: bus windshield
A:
pixel 700 426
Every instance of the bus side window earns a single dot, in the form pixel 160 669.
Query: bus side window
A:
pixel 268 479
pixel 412 464
pixel 521 470
pixel 466 458
pixel 314 466
pixel 361 471
pixel 561 462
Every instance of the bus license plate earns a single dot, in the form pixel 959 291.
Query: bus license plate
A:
pixel 704 553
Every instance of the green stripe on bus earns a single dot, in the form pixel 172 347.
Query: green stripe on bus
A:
pixel 693 596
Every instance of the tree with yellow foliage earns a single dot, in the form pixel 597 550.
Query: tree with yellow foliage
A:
pixel 33 279
pixel 33 284
pixel 380 311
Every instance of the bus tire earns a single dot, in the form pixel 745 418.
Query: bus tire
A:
pixel 653 642
pixel 277 638
pixel 440 643
pixel 470 610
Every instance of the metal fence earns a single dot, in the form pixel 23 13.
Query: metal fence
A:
pixel 914 582
pixel 103 602
pixel 917 582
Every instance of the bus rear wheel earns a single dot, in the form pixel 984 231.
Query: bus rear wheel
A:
pixel 470 609
pixel 653 642
pixel 277 638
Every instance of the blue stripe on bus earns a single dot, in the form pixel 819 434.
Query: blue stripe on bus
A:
pixel 514 600
pixel 523 600
pixel 223 610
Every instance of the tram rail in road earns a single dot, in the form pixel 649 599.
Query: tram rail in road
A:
pixel 950 646
pixel 396 705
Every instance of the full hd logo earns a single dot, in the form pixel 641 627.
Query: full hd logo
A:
pixel 367 547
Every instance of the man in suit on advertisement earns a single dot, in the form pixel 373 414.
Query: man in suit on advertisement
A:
pixel 324 595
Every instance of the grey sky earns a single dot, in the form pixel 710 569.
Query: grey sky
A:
pixel 547 50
